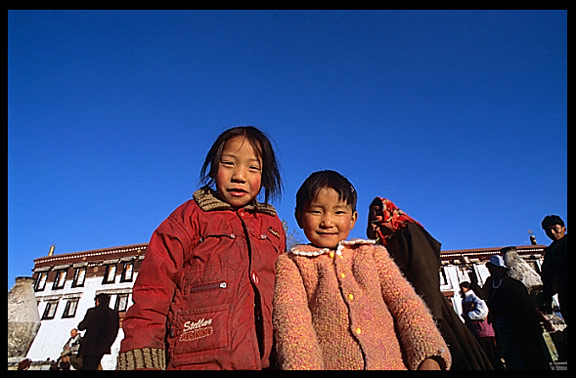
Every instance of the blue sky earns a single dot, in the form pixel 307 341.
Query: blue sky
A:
pixel 459 117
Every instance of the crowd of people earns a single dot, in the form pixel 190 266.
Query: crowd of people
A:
pixel 217 290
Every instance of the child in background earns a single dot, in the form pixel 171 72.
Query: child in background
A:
pixel 344 304
pixel 203 296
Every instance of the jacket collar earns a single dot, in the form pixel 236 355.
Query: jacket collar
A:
pixel 208 201
pixel 310 251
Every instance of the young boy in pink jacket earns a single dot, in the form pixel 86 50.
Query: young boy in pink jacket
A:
pixel 344 304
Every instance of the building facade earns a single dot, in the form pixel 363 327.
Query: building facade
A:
pixel 65 286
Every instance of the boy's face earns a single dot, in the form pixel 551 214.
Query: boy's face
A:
pixel 327 219
pixel 239 175
pixel 555 232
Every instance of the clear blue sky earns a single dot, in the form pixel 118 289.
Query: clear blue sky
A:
pixel 459 117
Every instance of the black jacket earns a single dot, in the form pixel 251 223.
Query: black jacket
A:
pixel 101 325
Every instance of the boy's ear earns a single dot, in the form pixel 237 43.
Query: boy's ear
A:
pixel 297 215
pixel 354 219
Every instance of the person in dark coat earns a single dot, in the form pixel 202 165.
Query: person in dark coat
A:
pixel 515 319
pixel 101 325
pixel 555 265
pixel 417 254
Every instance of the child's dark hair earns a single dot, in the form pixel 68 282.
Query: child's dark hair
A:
pixel 271 180
pixel 551 220
pixel 325 179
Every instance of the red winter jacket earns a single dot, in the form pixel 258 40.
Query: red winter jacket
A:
pixel 203 296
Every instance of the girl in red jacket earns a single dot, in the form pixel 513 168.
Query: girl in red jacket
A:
pixel 203 296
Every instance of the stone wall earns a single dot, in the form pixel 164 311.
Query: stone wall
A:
pixel 23 317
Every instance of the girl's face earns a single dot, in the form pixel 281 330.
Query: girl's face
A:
pixel 239 176
pixel 327 220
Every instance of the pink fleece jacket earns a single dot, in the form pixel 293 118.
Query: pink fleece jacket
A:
pixel 350 308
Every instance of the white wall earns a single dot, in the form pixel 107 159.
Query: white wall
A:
pixel 53 333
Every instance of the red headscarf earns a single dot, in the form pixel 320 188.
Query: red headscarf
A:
pixel 390 217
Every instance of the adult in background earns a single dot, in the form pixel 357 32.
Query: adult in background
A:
pixel 515 319
pixel 101 325
pixel 417 254
pixel 69 355
pixel 555 265
pixel 475 314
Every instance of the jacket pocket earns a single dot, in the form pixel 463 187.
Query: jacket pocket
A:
pixel 207 286
pixel 198 336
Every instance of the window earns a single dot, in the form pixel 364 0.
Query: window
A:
pixel 127 271
pixel 59 279
pixel 50 310
pixel 79 277
pixel 110 273
pixel 121 302
pixel 70 309
pixel 534 265
pixel 41 281
pixel 443 278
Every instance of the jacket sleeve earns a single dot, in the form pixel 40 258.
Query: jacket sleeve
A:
pixel 296 342
pixel 145 322
pixel 480 310
pixel 417 332
pixel 85 323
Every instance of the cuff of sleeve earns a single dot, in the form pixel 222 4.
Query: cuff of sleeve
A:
pixel 146 358
pixel 441 355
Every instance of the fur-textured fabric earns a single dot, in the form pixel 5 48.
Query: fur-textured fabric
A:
pixel 350 308
pixel 207 200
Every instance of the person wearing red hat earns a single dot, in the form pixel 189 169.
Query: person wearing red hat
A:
pixel 417 254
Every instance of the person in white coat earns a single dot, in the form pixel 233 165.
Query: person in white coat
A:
pixel 475 314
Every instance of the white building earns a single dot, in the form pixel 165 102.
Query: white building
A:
pixel 470 265
pixel 66 284
pixel 65 288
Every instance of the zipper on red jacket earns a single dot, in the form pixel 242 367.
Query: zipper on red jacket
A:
pixel 210 286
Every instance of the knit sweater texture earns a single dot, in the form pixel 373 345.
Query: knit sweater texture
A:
pixel 350 308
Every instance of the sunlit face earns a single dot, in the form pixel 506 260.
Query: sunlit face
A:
pixel 239 174
pixel 555 232
pixel 327 219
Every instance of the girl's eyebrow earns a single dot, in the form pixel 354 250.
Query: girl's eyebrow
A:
pixel 233 155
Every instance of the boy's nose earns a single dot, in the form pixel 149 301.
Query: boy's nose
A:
pixel 326 222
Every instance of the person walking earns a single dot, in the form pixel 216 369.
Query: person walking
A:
pixel 101 326
pixel 515 319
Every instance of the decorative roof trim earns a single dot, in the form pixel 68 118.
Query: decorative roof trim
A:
pixel 91 253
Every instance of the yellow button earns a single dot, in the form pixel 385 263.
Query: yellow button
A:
pixel 342 275
pixel 331 254
pixel 358 331
pixel 350 296
pixel 341 256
